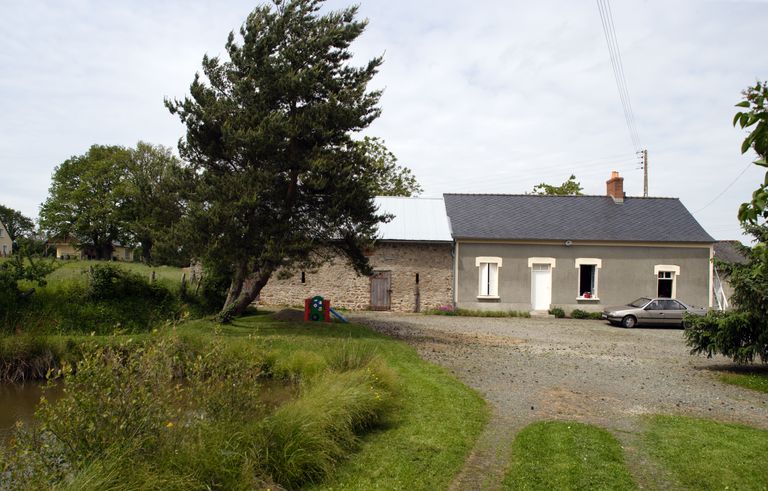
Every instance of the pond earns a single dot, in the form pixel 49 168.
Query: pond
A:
pixel 18 403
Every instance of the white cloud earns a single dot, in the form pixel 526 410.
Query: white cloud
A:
pixel 494 96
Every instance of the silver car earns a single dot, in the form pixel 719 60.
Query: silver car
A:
pixel 650 311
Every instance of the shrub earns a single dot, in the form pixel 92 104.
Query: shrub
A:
pixel 557 312
pixel 735 334
pixel 480 313
pixel 304 439
pixel 583 314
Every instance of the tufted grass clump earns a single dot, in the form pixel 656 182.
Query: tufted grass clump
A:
pixel 167 413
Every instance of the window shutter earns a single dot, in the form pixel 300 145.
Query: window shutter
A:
pixel 484 270
pixel 493 283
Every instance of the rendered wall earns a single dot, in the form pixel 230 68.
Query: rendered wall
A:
pixel 627 272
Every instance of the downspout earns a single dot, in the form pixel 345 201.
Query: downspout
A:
pixel 455 272
pixel 711 273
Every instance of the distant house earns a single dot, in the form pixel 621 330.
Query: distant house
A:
pixel 411 261
pixel 6 244
pixel 531 252
pixel 68 248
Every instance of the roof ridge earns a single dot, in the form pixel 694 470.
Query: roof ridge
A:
pixel 559 195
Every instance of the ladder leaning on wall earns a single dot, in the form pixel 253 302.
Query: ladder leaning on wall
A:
pixel 720 298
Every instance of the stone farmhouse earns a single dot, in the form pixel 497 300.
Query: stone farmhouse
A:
pixel 520 252
pixel 6 244
pixel 411 259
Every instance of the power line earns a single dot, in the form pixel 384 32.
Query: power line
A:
pixel 724 190
pixel 609 29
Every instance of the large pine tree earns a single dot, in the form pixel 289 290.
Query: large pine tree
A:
pixel 279 180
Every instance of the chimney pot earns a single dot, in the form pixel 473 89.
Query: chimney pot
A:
pixel 615 187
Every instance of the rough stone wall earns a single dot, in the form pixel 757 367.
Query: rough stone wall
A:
pixel 339 282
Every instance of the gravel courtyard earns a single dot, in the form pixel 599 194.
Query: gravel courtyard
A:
pixel 589 371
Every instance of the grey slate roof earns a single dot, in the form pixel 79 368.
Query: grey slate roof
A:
pixel 593 218
pixel 726 251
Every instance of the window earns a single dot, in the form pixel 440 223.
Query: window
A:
pixel 488 276
pixel 671 305
pixel 655 305
pixel 587 277
pixel 666 280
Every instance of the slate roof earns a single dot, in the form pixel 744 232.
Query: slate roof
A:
pixel 592 218
pixel 726 251
pixel 418 219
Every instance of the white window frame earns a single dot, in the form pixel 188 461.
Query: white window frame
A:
pixel 667 268
pixel 588 261
pixel 488 269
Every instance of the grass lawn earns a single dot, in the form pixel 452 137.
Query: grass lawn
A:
pixel 73 270
pixel 704 454
pixel 754 381
pixel 429 436
pixel 566 455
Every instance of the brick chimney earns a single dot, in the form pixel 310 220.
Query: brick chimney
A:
pixel 615 187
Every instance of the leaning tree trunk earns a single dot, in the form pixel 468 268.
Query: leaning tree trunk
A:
pixel 250 288
pixel 235 287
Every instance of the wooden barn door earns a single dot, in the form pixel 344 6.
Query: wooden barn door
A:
pixel 381 287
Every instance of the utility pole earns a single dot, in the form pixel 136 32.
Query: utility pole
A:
pixel 645 173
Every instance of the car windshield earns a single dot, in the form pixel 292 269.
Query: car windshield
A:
pixel 639 302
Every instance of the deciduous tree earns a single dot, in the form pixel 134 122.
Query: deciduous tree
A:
pixel 278 178
pixel 152 202
pixel 16 223
pixel 571 187
pixel 84 203
pixel 755 118
pixel 387 177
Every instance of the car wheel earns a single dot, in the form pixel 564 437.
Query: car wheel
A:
pixel 629 321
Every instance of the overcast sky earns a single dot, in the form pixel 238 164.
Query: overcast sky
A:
pixel 486 96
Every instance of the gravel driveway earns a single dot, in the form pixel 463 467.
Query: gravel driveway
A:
pixel 584 370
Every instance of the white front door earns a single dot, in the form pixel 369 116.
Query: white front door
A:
pixel 541 286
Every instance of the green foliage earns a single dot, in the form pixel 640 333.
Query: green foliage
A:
pixel 571 187
pixel 688 448
pixel 12 272
pixel 557 312
pixel 741 334
pixel 16 223
pixel 583 314
pixel 152 195
pixel 207 430
pixel 478 313
pixel 386 177
pixel 567 455
pixel 423 431
pixel 755 119
pixel 84 202
pixel 30 357
pixel 278 180
pixel 104 299
pixel 306 438
pixel 731 333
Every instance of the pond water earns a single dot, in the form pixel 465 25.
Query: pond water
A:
pixel 18 403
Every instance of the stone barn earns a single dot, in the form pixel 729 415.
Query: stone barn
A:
pixel 412 263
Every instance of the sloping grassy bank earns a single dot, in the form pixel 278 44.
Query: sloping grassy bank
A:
pixel 98 297
pixel 369 413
